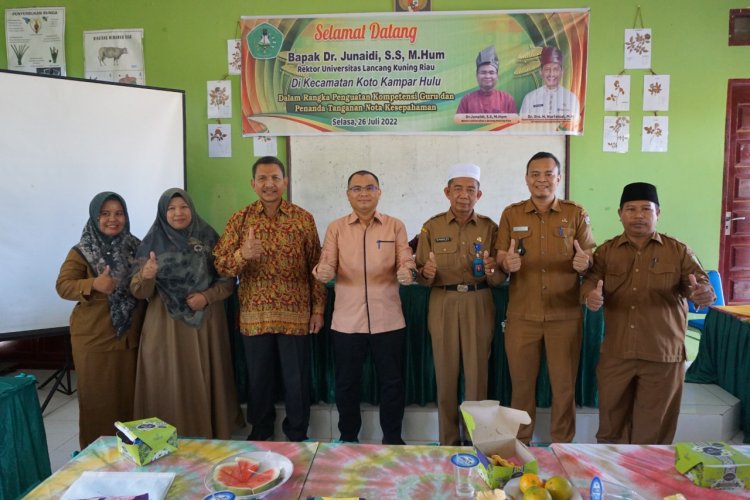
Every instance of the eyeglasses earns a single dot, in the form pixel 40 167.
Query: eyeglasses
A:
pixel 487 73
pixel 370 188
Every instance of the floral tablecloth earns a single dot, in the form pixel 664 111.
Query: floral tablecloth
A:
pixel 395 472
pixel 191 462
pixel 647 470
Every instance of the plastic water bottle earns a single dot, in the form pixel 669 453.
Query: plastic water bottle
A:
pixel 477 265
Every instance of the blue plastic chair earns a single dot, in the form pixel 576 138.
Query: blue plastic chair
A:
pixel 698 323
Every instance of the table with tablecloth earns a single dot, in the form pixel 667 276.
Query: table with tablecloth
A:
pixel 724 357
pixel 24 460
pixel 419 365
pixel 392 472
pixel 320 469
pixel 192 461
pixel 646 469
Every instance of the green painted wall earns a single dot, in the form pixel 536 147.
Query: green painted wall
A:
pixel 185 45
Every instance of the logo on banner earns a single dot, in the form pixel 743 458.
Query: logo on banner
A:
pixel 264 41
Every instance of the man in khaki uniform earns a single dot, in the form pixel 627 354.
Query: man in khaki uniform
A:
pixel 544 243
pixel 643 278
pixel 461 316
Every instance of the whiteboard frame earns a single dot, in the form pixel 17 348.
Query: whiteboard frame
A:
pixel 66 139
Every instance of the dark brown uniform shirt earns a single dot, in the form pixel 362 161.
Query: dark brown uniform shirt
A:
pixel 645 307
pixel 453 246
pixel 546 286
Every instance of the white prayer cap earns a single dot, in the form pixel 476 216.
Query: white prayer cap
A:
pixel 464 170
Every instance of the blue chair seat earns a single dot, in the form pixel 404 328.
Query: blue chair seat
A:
pixel 698 323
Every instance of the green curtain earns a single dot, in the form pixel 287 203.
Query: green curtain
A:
pixel 24 459
pixel 419 366
pixel 724 359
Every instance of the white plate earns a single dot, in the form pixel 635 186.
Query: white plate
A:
pixel 267 460
pixel 512 490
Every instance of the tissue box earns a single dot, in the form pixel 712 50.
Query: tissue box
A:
pixel 713 465
pixel 144 441
pixel 493 430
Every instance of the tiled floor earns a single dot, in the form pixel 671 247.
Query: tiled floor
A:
pixel 707 413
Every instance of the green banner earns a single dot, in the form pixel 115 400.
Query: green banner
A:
pixel 517 72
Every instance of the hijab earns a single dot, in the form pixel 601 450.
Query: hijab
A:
pixel 185 258
pixel 117 252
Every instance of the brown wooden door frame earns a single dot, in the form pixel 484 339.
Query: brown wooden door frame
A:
pixel 734 234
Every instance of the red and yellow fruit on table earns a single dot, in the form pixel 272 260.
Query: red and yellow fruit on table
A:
pixel 536 493
pixel 528 480
pixel 559 487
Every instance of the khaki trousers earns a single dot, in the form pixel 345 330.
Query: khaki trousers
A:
pixel 461 326
pixel 639 401
pixel 561 340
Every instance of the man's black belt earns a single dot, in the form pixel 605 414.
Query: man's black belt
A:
pixel 464 287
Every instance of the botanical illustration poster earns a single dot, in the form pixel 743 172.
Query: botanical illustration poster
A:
pixel 219 140
pixel 656 93
pixel 115 56
pixel 35 40
pixel 234 57
pixel 617 93
pixel 655 133
pixel 219 98
pixel 264 145
pixel 638 48
pixel 616 134
pixel 510 72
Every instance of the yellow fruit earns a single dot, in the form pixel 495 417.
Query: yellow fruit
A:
pixel 559 487
pixel 536 493
pixel 528 480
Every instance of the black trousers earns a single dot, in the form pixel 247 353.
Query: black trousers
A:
pixel 350 350
pixel 292 355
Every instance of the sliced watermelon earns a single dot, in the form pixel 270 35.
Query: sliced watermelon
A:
pixel 243 478
pixel 262 481
pixel 236 474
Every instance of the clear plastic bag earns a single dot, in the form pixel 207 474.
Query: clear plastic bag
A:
pixel 600 490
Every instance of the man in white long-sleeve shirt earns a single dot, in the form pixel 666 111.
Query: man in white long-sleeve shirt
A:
pixel 551 100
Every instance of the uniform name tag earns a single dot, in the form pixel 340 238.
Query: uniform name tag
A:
pixel 442 239
pixel 520 228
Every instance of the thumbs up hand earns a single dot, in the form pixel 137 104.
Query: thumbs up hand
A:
pixel 104 283
pixel 429 270
pixel 580 259
pixel 701 295
pixel 150 267
pixel 252 248
pixel 595 298
pixel 512 261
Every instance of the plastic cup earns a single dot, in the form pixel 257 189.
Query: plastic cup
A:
pixel 463 465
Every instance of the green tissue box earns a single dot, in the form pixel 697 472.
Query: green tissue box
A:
pixel 144 441
pixel 713 465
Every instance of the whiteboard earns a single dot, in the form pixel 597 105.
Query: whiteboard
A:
pixel 63 140
pixel 413 170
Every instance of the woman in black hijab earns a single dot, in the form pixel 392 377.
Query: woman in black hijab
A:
pixel 185 374
pixel 105 323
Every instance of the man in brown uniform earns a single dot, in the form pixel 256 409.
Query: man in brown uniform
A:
pixel 545 244
pixel 461 316
pixel 644 278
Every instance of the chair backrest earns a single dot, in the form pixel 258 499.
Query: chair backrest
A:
pixel 715 279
